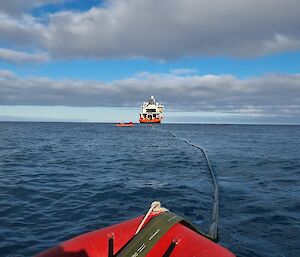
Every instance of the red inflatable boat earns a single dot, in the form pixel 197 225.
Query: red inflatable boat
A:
pixel 159 233
pixel 122 124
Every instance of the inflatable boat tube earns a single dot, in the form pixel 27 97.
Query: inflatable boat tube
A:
pixel 162 235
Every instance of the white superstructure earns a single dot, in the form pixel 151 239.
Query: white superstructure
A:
pixel 151 111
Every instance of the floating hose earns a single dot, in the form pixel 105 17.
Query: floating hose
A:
pixel 213 229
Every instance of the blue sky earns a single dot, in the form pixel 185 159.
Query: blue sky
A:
pixel 67 60
pixel 109 70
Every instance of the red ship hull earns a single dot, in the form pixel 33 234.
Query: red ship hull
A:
pixel 144 120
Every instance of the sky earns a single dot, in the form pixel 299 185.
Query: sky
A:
pixel 207 61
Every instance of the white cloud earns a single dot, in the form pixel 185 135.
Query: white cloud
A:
pixel 183 71
pixel 274 94
pixel 175 28
pixel 23 32
pixel 21 57
pixel 165 30
pixel 6 74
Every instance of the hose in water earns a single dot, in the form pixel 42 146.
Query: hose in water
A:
pixel 213 229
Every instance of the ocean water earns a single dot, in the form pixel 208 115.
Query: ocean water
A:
pixel 58 180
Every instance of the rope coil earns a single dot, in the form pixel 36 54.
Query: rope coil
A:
pixel 155 208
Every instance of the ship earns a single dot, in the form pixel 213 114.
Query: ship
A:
pixel 151 111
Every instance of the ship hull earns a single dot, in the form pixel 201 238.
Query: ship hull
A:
pixel 143 120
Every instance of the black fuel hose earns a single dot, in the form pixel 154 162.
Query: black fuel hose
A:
pixel 213 229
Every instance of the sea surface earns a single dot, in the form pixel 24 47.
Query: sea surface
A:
pixel 58 180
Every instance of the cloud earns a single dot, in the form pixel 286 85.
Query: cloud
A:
pixel 6 74
pixel 22 57
pixel 183 71
pixel 168 30
pixel 25 32
pixel 269 95
pixel 16 7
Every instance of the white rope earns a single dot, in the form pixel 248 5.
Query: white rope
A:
pixel 155 208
